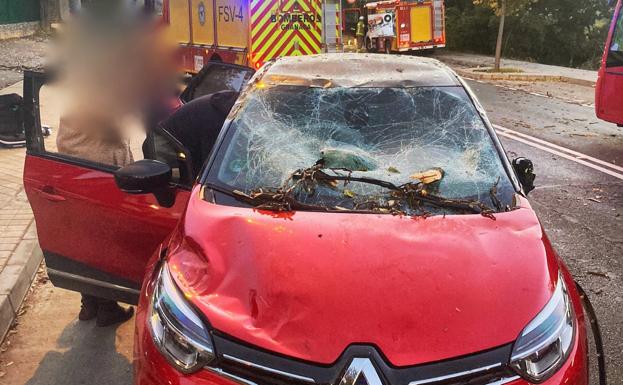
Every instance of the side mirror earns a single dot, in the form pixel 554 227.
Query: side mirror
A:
pixel 525 172
pixel 147 176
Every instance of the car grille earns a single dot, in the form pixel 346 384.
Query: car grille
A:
pixel 248 365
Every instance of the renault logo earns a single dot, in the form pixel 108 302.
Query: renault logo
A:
pixel 361 372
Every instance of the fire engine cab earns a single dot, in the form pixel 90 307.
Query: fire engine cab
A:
pixel 250 32
pixel 408 25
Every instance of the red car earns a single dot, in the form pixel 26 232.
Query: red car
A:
pixel 357 223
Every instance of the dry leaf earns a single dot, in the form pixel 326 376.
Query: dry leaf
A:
pixel 429 176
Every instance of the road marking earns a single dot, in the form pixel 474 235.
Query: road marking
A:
pixel 563 152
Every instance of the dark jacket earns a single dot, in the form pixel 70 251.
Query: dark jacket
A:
pixel 197 124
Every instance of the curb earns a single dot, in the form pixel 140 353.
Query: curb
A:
pixel 15 280
pixel 524 77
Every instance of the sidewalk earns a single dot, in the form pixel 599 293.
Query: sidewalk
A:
pixel 466 65
pixel 20 255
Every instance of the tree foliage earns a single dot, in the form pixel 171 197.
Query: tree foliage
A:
pixel 512 6
pixel 560 32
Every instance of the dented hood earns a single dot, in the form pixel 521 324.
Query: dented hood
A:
pixel 308 284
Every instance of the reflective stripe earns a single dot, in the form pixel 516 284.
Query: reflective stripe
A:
pixel 274 35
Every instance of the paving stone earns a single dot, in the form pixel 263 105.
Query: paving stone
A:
pixel 24 222
pixel 7 247
pixel 5 234
pixel 15 228
pixel 9 240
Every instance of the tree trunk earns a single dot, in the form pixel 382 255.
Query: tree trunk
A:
pixel 498 46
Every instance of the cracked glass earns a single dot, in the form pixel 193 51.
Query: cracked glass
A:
pixel 398 135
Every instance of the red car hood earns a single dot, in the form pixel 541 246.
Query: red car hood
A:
pixel 310 284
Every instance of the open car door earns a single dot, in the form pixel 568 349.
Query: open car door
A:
pixel 609 102
pixel 97 239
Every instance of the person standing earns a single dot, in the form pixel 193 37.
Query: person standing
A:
pixel 110 64
pixel 360 33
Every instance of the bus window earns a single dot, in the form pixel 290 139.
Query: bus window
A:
pixel 615 55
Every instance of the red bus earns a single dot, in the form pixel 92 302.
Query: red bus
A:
pixel 609 90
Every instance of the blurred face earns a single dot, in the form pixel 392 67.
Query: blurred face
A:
pixel 114 68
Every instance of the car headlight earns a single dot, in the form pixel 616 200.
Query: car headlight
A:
pixel 177 330
pixel 544 345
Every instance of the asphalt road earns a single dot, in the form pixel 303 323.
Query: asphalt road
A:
pixel 579 205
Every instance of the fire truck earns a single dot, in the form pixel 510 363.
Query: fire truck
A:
pixel 407 25
pixel 249 32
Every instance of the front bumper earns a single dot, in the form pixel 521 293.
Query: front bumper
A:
pixel 151 368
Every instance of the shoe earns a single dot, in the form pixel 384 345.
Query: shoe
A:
pixel 88 308
pixel 110 313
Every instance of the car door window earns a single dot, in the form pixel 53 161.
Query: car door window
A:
pixel 161 145
pixel 216 77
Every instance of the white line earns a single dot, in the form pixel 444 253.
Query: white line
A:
pixel 578 155
pixel 561 154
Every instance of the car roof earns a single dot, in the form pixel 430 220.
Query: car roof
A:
pixel 360 70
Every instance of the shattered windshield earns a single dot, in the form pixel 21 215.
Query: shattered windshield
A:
pixel 414 151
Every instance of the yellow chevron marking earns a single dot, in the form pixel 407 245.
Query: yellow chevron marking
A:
pixel 265 21
pixel 282 41
pixel 284 37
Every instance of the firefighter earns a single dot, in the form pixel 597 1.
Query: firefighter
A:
pixel 360 33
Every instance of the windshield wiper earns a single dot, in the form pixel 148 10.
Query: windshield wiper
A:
pixel 266 200
pixel 413 193
pixel 276 201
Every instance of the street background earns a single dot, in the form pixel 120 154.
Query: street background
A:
pixel 580 208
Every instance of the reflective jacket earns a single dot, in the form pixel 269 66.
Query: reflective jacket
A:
pixel 361 28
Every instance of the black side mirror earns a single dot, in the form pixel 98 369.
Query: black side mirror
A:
pixel 147 176
pixel 525 172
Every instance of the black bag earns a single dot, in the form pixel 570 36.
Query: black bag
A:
pixel 11 121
